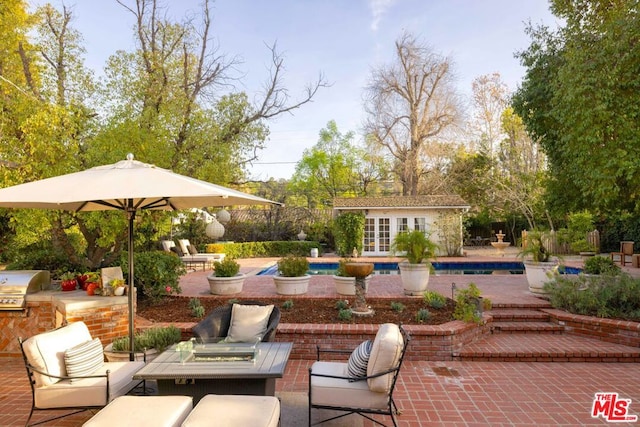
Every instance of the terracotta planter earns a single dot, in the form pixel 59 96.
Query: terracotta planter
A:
pixel 226 285
pixel 347 285
pixel 291 285
pixel 415 277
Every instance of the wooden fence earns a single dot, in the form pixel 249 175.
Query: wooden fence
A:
pixel 550 241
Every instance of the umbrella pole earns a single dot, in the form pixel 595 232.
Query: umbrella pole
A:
pixel 131 214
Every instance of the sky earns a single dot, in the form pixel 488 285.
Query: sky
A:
pixel 342 39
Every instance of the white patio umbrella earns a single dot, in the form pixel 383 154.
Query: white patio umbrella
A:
pixel 129 186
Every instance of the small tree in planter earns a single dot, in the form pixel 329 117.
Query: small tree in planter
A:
pixel 292 277
pixel 538 266
pixel 417 248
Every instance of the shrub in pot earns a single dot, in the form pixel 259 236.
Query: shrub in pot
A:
pixel 417 248
pixel 149 341
pixel 292 277
pixel 226 278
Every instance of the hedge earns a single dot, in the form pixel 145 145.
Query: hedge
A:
pixel 264 249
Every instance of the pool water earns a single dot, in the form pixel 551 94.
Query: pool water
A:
pixel 441 268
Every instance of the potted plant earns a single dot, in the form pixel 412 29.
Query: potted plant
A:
pixel 292 277
pixel 68 282
pixel 146 344
pixel 226 278
pixel 538 265
pixel 345 284
pixel 417 248
pixel 118 286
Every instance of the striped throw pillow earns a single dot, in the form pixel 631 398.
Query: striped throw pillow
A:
pixel 84 359
pixel 357 366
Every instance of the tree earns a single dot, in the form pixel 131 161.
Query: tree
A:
pixel 490 97
pixel 409 103
pixel 579 101
pixel 327 170
pixel 171 96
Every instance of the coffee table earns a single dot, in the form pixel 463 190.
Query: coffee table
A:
pixel 218 369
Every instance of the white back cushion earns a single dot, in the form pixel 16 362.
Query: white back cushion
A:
pixel 46 351
pixel 248 322
pixel 385 354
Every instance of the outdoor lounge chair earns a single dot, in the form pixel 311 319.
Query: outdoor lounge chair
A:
pixel 332 385
pixel 216 325
pixel 190 261
pixel 66 371
pixel 626 249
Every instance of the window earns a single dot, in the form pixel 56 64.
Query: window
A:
pixel 402 224
pixel 420 224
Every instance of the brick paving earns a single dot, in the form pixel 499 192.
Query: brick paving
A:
pixel 454 393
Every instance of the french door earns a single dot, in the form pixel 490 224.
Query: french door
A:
pixel 377 236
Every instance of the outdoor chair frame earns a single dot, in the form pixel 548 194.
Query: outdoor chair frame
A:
pixel 391 410
pixel 216 324
pixel 31 370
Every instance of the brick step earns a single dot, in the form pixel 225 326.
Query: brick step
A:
pixel 518 315
pixel 524 327
pixel 546 348
pixel 540 303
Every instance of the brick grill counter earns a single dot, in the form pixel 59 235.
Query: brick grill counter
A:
pixel 106 317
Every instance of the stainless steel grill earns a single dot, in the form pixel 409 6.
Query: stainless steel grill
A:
pixel 15 284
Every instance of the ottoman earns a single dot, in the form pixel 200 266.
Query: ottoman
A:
pixel 143 411
pixel 235 410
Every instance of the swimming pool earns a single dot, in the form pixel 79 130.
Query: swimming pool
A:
pixel 441 268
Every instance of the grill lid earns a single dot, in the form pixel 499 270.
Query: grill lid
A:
pixel 24 281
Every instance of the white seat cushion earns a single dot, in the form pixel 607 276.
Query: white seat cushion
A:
pixel 385 355
pixel 89 391
pixel 248 322
pixel 227 410
pixel 143 411
pixel 342 392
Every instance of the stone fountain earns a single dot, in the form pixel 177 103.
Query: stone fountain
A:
pixel 360 270
pixel 500 245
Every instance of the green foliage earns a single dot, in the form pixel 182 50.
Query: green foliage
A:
pixel 293 266
pixel 265 249
pixel 287 305
pixel 607 296
pixel 535 247
pixel 448 225
pixel 158 337
pixel 600 265
pixel 228 267
pixel 341 271
pixel 197 310
pixel 216 248
pixel 342 304
pixel 42 256
pixel 434 299
pixel 156 273
pixel 349 232
pixel 579 224
pixel 423 315
pixel 575 100
pixel 469 304
pixel 414 245
pixel 345 314
pixel 398 307
pixel 328 169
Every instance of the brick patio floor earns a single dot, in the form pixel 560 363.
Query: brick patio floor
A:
pixel 430 393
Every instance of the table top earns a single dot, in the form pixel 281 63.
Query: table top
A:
pixel 270 362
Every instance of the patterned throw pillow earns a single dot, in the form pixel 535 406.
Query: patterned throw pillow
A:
pixel 84 359
pixel 357 366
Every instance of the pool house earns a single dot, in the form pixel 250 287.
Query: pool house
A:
pixel 439 215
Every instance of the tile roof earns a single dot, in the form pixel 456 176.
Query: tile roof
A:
pixel 429 201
